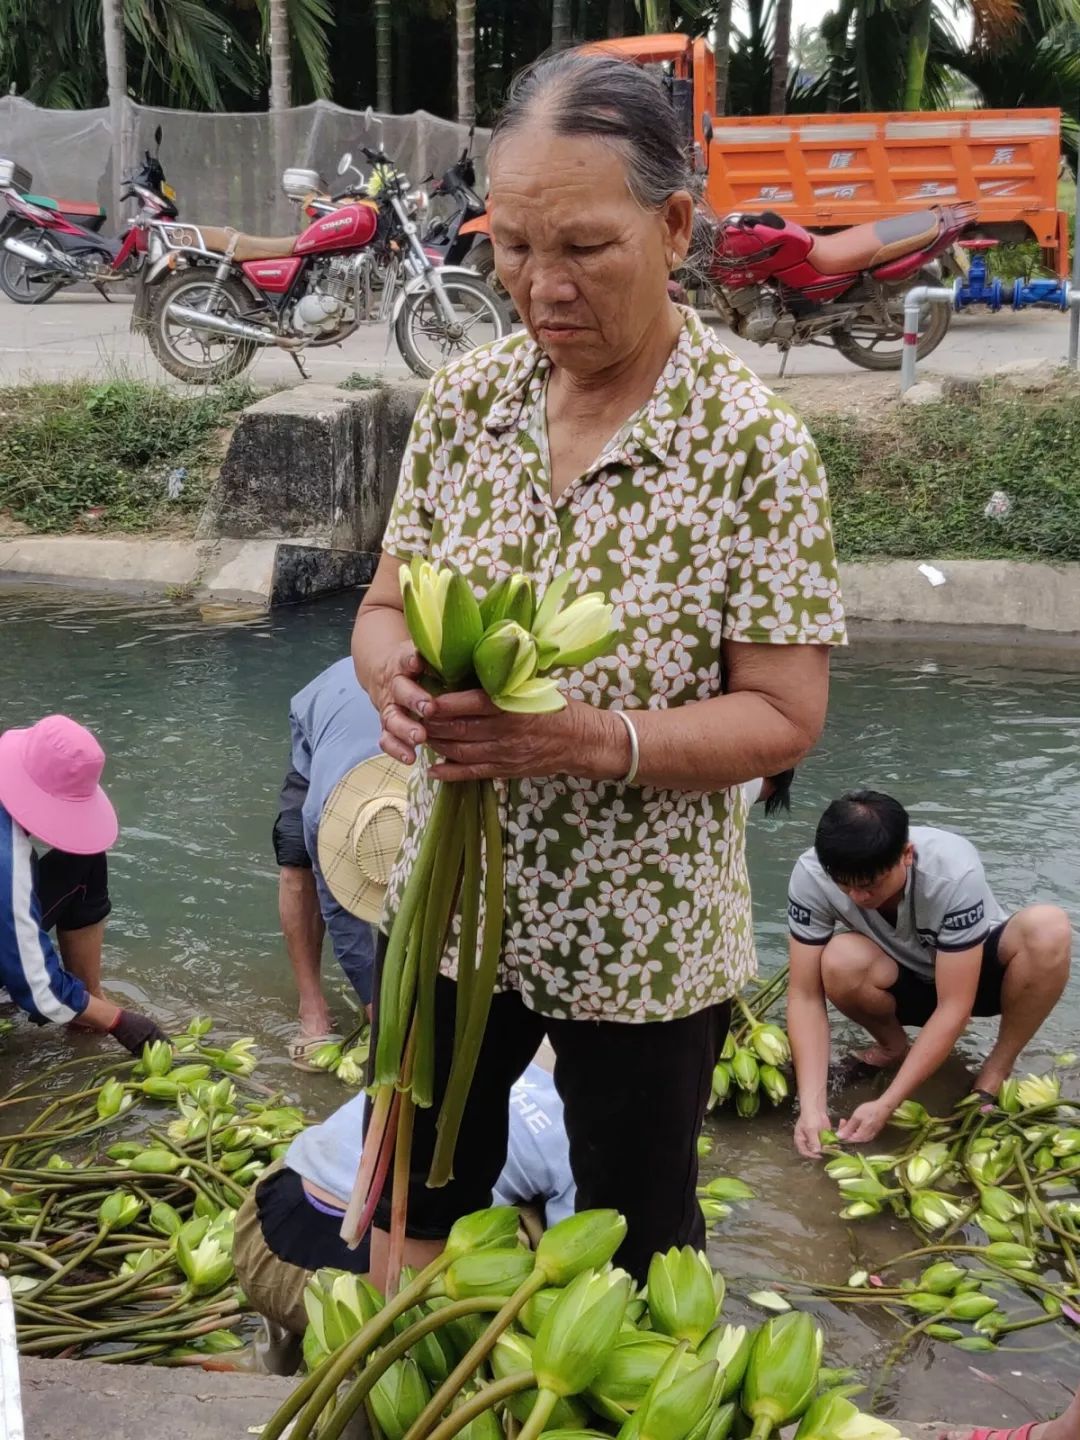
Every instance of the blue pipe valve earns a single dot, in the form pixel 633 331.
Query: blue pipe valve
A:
pixel 981 287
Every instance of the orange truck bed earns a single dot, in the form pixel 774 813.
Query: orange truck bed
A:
pixel 829 171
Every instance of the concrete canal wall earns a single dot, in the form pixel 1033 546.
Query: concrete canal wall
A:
pixel 303 495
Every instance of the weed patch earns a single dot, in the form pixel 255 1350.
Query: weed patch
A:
pixel 122 455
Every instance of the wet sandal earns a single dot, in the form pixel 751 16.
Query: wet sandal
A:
pixel 303 1047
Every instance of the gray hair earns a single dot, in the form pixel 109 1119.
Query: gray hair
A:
pixel 582 93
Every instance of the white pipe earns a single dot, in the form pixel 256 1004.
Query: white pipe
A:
pixel 11 1416
pixel 914 300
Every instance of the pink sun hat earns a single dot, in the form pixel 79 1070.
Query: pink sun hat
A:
pixel 50 784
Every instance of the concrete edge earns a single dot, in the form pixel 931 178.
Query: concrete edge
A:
pixel 1001 597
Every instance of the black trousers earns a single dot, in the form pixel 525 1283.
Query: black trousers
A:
pixel 634 1099
pixel 72 890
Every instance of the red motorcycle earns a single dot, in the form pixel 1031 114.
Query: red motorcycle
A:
pixel 777 284
pixel 47 244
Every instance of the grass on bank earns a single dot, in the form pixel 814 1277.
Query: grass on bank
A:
pixel 913 481
pixel 79 456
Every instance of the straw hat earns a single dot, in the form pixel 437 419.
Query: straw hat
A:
pixel 360 834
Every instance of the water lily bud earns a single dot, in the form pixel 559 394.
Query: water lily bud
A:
pixel 726 1187
pixel 118 1210
pixel 532 1314
pixel 933 1210
pixel 770 1044
pixel 704 1146
pixel 684 1294
pixel 999 1203
pixel 123 1150
pixel 461 630
pixel 349 1071
pixel 747 1103
pixel 910 1115
pixel 858 1279
pixel 727 1051
pixel 944 1332
pixel 579 1332
pixel 157 1058
pixel 423 595
pixel 971 1307
pixel 239 1059
pixel 164 1219
pixel 832 1416
pixel 722 1080
pixel 713 1210
pixel 139 1261
pixel 942 1278
pixel 632 1365
pixel 995 1229
pixel 584 1241
pixel 926 1302
pixel 729 1346
pixel 112 1099
pixel 720 1424
pixel 575 634
pixel 774 1083
pixel 512 1354
pixel 510 598
pixel 926 1165
pixel 844 1167
pixel 398 1398
pixel 160 1087
pixel 488 1272
pixel 57 1162
pixel 1036 1090
pixel 1044 1159
pixel 1008 1253
pixel 860 1210
pixel 189 1074
pixel 484 1427
pixel 976 1343
pixel 1008 1097
pixel 493 1229
pixel 864 1187
pixel 745 1070
pixel 676 1404
pixel 207 1266
pixel 781 1376
pixel 155 1162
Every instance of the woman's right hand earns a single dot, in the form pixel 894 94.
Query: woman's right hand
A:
pixel 400 701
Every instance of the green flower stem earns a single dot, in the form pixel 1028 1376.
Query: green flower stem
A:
pixel 395 998
pixel 309 1399
pixel 486 1398
pixel 376 1367
pixel 539 1415
pixel 442 895
pixel 471 886
pixel 148 1328
pixel 463 1065
pixel 360 1209
pixel 399 1203
pixel 39 1257
pixel 218 1176
pixel 109 1293
pixel 474 1357
pixel 77 1259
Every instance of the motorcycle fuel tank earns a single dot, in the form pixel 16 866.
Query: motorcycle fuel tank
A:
pixel 348 228
pixel 273 276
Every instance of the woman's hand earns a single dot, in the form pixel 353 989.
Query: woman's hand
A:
pixel 399 699
pixel 477 741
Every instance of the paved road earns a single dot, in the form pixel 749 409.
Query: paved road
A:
pixel 83 335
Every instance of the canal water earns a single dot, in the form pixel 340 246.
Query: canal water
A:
pixel 193 713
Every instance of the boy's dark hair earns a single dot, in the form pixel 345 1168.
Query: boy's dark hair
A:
pixel 860 836
pixel 780 799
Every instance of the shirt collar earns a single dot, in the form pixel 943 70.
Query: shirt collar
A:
pixel 655 425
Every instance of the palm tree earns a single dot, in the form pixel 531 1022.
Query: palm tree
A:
pixel 780 56
pixel 384 99
pixel 561 32
pixel 280 56
pixel 466 61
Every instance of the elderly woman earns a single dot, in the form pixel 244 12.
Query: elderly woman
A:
pixel 618 439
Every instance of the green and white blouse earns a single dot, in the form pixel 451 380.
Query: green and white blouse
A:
pixel 705 519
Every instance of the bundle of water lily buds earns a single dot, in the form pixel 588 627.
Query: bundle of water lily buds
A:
pixel 755 1054
pixel 558 1342
pixel 122 1248
pixel 347 1058
pixel 994 1189
pixel 504 643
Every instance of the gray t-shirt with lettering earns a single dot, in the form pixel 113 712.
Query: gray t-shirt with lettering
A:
pixel 946 906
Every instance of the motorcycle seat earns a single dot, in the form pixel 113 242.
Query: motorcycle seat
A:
pixel 246 247
pixel 862 247
pixel 67 207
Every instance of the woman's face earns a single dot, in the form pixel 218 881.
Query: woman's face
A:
pixel 586 264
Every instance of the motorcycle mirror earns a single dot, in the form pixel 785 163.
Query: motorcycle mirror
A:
pixel 157 137
pixel 345 163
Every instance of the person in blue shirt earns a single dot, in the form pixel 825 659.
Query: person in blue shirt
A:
pixel 290 1224
pixel 333 728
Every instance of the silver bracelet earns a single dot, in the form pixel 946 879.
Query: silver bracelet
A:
pixel 635 748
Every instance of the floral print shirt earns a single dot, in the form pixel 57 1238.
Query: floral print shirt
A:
pixel 705 520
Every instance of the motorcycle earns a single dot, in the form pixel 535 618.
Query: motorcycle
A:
pixel 775 283
pixel 211 296
pixel 47 244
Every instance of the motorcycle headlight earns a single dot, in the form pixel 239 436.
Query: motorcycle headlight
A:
pixel 419 199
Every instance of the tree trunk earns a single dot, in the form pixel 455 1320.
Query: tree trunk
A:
pixel 616 18
pixel 722 42
pixel 112 25
pixel 280 56
pixel 384 95
pixel 466 61
pixel 780 57
pixel 918 48
pixel 561 33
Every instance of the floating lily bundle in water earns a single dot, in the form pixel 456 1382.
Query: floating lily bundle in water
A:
pixel 558 1343
pixel 121 1249
pixel 505 644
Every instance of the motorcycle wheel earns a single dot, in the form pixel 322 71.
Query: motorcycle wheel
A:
pixel 16 284
pixel 421 332
pixel 199 357
pixel 862 344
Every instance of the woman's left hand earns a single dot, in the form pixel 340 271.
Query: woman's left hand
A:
pixel 477 741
